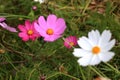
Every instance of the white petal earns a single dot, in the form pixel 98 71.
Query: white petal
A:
pixel 108 46
pixel 95 60
pixel 105 38
pixel 94 37
pixel 80 52
pixel 84 43
pixel 106 56
pixel 85 61
pixel 41 1
pixel 35 0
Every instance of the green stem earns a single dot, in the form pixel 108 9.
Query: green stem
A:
pixel 83 76
pixel 70 76
pixel 88 2
pixel 31 74
pixel 36 66
pixel 116 70
pixel 54 51
pixel 11 64
pixel 100 72
pixel 59 73
pixel 13 15
pixel 95 71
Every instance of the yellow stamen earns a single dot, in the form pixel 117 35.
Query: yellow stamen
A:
pixel 50 31
pixel 71 43
pixel 30 32
pixel 95 50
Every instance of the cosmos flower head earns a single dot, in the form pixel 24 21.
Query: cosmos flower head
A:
pixel 95 49
pixel 27 31
pixel 5 26
pixel 50 29
pixel 70 41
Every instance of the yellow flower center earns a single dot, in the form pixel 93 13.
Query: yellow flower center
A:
pixel 30 32
pixel 71 43
pixel 95 50
pixel 50 31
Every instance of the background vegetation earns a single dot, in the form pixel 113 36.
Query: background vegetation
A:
pixel 41 60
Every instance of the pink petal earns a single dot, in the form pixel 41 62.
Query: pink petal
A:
pixel 22 28
pixel 40 30
pixel 11 29
pixel 34 36
pixel 27 24
pixel 66 44
pixel 43 33
pixel 51 21
pixel 32 26
pixel 60 26
pixel 42 22
pixel 2 19
pixel 5 26
pixel 24 36
pixel 37 27
pixel 52 38
pixel 37 35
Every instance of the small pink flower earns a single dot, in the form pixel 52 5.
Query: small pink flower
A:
pixel 5 26
pixel 28 31
pixel 51 29
pixel 70 41
pixel 34 7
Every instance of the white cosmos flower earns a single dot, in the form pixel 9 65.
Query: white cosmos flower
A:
pixel 95 48
pixel 40 1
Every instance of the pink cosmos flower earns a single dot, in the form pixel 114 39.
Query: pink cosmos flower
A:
pixel 28 31
pixel 70 41
pixel 51 29
pixel 5 26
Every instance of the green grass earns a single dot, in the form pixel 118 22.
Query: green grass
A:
pixel 33 60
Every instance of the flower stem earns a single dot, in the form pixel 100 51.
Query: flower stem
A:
pixel 13 15
pixel 95 71
pixel 52 75
pixel 116 70
pixel 59 73
pixel 33 70
pixel 83 76
pixel 88 2
pixel 100 72
pixel 6 56
pixel 70 76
